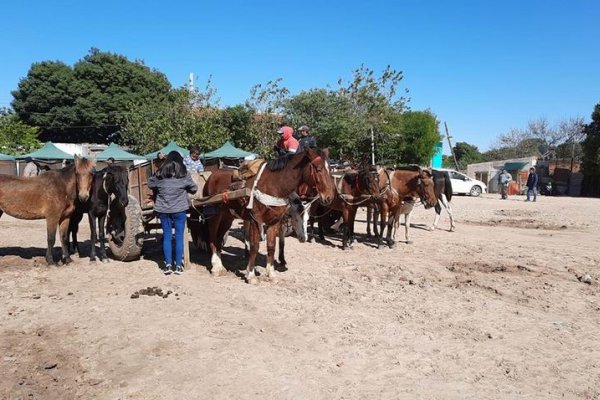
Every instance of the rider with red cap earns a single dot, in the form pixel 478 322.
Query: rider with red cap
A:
pixel 287 143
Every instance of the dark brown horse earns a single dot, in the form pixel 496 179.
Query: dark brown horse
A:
pixel 354 189
pixel 272 189
pixel 397 186
pixel 49 196
pixel 109 191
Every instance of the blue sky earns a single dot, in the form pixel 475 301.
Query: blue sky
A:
pixel 483 67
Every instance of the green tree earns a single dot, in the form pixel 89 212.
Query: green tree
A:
pixel 591 145
pixel 84 103
pixel 466 154
pixel 420 133
pixel 147 127
pixel 238 122
pixel 330 118
pixel 15 136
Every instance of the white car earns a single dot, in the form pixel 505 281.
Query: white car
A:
pixel 462 184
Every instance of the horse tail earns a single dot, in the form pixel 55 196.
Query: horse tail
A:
pixel 447 186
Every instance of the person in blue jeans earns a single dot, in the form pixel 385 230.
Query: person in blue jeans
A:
pixel 171 184
pixel 532 181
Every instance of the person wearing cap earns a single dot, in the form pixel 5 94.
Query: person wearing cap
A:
pixel 306 140
pixel 287 143
pixel 31 168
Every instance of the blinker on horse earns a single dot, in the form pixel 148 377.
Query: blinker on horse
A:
pixel 50 196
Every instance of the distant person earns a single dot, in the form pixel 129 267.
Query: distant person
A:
pixel 31 168
pixel 287 143
pixel 171 184
pixel 306 140
pixel 192 161
pixel 110 160
pixel 503 180
pixel 532 181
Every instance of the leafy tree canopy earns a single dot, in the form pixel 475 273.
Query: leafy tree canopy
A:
pixel 15 136
pixel 84 103
pixel 591 144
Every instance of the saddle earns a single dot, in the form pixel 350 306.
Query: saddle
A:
pixel 247 170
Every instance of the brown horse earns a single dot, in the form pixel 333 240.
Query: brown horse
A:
pixel 271 191
pixel 49 196
pixel 396 186
pixel 355 188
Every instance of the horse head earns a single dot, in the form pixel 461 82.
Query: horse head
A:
pixel 84 168
pixel 319 174
pixel 299 219
pixel 116 182
pixel 426 188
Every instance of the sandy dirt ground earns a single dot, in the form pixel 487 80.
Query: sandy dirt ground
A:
pixel 499 309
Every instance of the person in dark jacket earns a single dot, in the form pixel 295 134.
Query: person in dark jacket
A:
pixel 532 181
pixel 306 140
pixel 171 184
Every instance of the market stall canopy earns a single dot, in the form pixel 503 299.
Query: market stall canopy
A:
pixel 167 149
pixel 229 151
pixel 514 166
pixel 118 154
pixel 6 157
pixel 48 152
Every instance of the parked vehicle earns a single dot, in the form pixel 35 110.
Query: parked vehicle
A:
pixel 462 184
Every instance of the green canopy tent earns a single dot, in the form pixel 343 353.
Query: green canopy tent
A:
pixel 48 152
pixel 228 151
pixel 171 146
pixel 118 154
pixel 6 157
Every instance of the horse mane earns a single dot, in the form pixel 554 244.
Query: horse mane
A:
pixel 279 163
pixel 411 167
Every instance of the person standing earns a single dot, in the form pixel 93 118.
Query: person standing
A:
pixel 306 140
pixel 192 161
pixel 532 181
pixel 287 143
pixel 503 180
pixel 31 168
pixel 171 184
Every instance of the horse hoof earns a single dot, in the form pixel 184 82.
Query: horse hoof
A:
pixel 431 229
pixel 453 229
pixel 218 272
pixel 67 261
pixel 105 260
pixel 252 281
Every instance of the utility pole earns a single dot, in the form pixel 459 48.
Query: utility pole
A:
pixel 372 147
pixel 450 144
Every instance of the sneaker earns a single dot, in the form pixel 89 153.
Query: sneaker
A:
pixel 178 270
pixel 168 269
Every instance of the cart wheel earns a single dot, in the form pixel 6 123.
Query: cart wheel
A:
pixel 126 232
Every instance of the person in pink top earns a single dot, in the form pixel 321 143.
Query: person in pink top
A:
pixel 287 143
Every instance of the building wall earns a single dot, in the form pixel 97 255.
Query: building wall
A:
pixel 488 171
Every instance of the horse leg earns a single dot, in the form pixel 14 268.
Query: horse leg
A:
pixel 93 238
pixel 245 229
pixel 272 232
pixel 384 211
pixel 407 218
pixel 281 245
pixel 369 215
pixel 351 218
pixel 51 225
pixel 215 243
pixel 102 234
pixel 392 218
pixel 446 204
pixel 345 228
pixel 64 233
pixel 254 239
